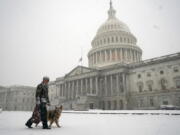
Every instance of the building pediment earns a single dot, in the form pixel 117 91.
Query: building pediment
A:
pixel 79 70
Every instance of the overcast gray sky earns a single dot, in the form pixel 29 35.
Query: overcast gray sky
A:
pixel 45 37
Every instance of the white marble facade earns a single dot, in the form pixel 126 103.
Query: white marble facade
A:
pixel 117 77
pixel 17 98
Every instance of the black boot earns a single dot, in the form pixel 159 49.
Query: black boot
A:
pixel 29 123
pixel 45 126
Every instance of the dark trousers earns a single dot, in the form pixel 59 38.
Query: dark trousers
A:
pixel 43 111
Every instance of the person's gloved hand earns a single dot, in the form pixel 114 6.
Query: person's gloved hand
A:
pixel 37 102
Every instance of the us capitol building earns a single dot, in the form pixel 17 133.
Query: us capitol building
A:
pixel 117 78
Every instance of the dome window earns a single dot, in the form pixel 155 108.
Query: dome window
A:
pixel 140 88
pixel 108 55
pixel 176 69
pixel 116 39
pixel 124 40
pixel 121 39
pixel 113 55
pixel 108 26
pixel 103 56
pixel 112 39
pixel 101 42
pixel 139 76
pixel 108 40
pixel 104 41
pixel 97 42
pixel 148 74
pixel 161 72
pixel 94 58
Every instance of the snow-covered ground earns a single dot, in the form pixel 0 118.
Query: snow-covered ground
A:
pixel 12 123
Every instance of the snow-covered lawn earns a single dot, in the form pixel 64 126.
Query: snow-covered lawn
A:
pixel 12 123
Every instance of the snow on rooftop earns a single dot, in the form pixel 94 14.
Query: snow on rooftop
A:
pixel 12 123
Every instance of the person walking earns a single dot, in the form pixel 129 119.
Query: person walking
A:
pixel 42 100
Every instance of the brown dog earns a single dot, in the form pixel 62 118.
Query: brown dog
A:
pixel 54 115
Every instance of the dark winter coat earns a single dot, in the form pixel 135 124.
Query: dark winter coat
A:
pixel 42 94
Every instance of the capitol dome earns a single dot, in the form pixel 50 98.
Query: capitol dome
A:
pixel 113 24
pixel 113 43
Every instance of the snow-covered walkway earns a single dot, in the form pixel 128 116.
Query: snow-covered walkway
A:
pixel 12 123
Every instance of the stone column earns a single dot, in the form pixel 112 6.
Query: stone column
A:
pixel 100 56
pixel 66 90
pixel 92 61
pixel 110 51
pixel 63 91
pixel 120 54
pixel 60 90
pixel 57 87
pixel 72 96
pixel 79 87
pixel 95 55
pixel 116 54
pixel 75 89
pixel 69 89
pixel 86 86
pixel 89 60
pixel 105 82
pixel 125 54
pixel 130 56
pixel 91 85
pixel 96 86
pixel 133 55
pixel 105 53
pixel 82 89
pixel 136 56
pixel 124 81
pixel 69 86
pixel 111 82
pixel 117 84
